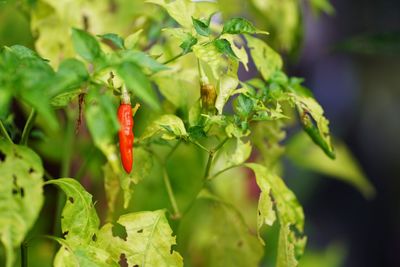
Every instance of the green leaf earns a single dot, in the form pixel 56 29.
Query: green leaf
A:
pixel 201 234
pixel 80 227
pixel 188 43
pixel 86 45
pixel 64 99
pixel 289 212
pixel 244 105
pixel 179 10
pixel 240 25
pixel 102 122
pixel 138 83
pixel 148 242
pixel 21 195
pixel 345 167
pixel 265 58
pixel 79 220
pixel 114 39
pixel 133 39
pixel 71 74
pixel 142 59
pixel 167 127
pixel 143 163
pixel 201 27
pixel 224 47
pixel 226 85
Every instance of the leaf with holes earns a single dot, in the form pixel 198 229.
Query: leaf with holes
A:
pixel 148 240
pixel 79 220
pixel 21 182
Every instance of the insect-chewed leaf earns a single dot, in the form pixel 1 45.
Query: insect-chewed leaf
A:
pixel 147 242
pixel 265 58
pixel 21 195
pixel 289 212
pixel 168 127
pixel 79 220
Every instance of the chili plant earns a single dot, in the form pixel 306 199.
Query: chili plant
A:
pixel 203 135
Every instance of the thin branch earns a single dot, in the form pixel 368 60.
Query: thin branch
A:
pixel 4 132
pixel 28 127
pixel 222 171
pixel 172 59
pixel 171 195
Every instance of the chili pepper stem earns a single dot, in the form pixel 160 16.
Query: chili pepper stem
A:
pixel 125 98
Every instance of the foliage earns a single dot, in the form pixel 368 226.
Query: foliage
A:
pixel 198 122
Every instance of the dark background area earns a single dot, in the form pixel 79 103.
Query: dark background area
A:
pixel 359 87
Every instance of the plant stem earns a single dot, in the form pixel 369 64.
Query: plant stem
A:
pixel 208 166
pixel 222 171
pixel 211 155
pixel 200 146
pixel 24 254
pixel 64 172
pixel 28 127
pixel 172 150
pixel 172 59
pixel 177 214
pixel 4 132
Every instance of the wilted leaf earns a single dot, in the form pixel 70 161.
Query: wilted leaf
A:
pixel 289 212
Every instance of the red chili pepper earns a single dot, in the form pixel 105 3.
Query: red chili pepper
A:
pixel 125 135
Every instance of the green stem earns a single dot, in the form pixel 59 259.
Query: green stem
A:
pixel 222 171
pixel 171 195
pixel 208 166
pixel 28 127
pixel 172 59
pixel 200 146
pixel 24 254
pixel 4 132
pixel 172 150
pixel 64 172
